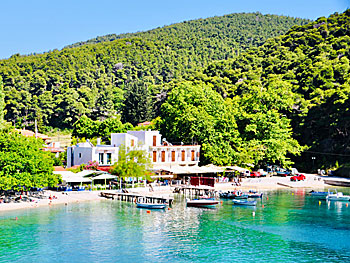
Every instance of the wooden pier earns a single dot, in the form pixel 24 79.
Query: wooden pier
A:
pixel 195 191
pixel 129 197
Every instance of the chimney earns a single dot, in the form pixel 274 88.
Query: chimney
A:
pixel 98 141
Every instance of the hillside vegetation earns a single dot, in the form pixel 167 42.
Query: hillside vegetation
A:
pixel 291 91
pixel 125 76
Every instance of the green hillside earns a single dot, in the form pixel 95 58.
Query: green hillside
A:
pixel 125 76
pixel 291 91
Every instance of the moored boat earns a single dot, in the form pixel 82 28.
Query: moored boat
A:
pixel 338 197
pixel 254 194
pixel 320 195
pixel 233 195
pixel 208 203
pixel 244 202
pixel 150 206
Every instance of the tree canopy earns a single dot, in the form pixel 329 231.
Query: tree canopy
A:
pixel 108 78
pixel 23 163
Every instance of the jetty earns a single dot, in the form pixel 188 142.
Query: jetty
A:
pixel 195 190
pixel 131 197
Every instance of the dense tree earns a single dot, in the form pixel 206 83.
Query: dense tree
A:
pixel 2 103
pixel 132 163
pixel 59 87
pixel 137 106
pixel 23 163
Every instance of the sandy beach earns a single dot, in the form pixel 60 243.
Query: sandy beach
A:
pixel 259 184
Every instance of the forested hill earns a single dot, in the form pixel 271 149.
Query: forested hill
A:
pixel 236 32
pixel 127 75
pixel 295 86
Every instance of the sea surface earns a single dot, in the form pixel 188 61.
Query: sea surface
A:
pixel 288 226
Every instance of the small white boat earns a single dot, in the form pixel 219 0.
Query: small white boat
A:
pixel 207 203
pixel 150 206
pixel 338 197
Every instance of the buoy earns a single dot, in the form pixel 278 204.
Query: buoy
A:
pixel 263 206
pixel 169 208
pixel 347 205
pixel 292 193
pixel 267 198
pixel 148 211
pixel 16 218
pixel 253 213
pixel 319 202
pixel 222 202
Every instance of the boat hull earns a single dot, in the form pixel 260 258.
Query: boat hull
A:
pixel 150 206
pixel 206 203
pixel 243 202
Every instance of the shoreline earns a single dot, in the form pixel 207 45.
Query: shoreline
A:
pixel 259 184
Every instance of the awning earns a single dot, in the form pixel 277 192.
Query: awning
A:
pixel 75 179
pixel 197 169
pixel 165 176
pixel 103 177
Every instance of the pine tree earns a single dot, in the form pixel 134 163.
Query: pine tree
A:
pixel 137 104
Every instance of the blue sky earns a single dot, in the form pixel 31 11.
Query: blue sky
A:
pixel 29 26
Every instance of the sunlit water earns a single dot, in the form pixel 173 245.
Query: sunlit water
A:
pixel 287 227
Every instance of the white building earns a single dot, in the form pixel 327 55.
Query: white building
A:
pixel 161 152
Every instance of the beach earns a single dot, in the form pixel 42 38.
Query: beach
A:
pixel 259 184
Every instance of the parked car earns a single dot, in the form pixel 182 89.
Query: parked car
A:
pixel 262 172
pixel 283 173
pixel 255 174
pixel 298 177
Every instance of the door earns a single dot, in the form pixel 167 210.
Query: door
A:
pixel 183 153
pixel 154 156
pixel 163 156
pixel 173 156
pixel 154 140
pixel 192 155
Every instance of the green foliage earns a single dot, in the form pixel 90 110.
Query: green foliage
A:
pixel 98 80
pixel 132 163
pixel 22 163
pixel 231 130
pixel 2 103
pixel 88 129
pixel 295 84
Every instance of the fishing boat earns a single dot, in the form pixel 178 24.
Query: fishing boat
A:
pixel 150 206
pixel 320 195
pixel 244 202
pixel 338 197
pixel 254 194
pixel 207 203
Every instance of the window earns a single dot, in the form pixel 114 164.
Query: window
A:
pixel 183 154
pixel 163 156
pixel 132 143
pixel 154 140
pixel 100 158
pixel 79 155
pixel 192 155
pixel 173 156
pixel 154 156
pixel 109 158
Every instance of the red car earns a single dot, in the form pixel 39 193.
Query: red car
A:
pixel 255 174
pixel 298 177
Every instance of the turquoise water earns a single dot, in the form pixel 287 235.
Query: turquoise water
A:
pixel 291 227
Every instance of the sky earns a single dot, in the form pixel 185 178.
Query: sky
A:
pixel 36 26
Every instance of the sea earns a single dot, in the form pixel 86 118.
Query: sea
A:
pixel 285 226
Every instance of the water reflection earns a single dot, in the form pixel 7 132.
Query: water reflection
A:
pixel 288 226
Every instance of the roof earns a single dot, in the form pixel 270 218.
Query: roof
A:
pixel 59 169
pixel 53 149
pixel 144 123
pixel 28 133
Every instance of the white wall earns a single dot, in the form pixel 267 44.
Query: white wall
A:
pixel 146 137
